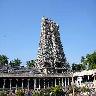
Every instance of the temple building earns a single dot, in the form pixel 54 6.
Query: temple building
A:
pixel 51 64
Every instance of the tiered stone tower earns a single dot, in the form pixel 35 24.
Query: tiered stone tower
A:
pixel 50 53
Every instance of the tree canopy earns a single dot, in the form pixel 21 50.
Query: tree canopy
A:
pixel 90 60
pixel 30 63
pixel 3 60
pixel 15 62
pixel 87 62
pixel 78 67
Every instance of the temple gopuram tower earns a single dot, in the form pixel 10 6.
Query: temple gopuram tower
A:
pixel 50 52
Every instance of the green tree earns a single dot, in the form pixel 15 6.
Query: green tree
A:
pixel 87 62
pixel 30 63
pixel 3 60
pixel 78 67
pixel 90 60
pixel 74 67
pixel 82 59
pixel 68 66
pixel 15 62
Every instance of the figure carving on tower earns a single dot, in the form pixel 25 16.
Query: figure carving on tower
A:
pixel 50 52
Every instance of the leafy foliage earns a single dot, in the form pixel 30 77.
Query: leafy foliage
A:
pixel 78 67
pixel 20 93
pixel 90 60
pixel 3 93
pixel 36 94
pixel 87 62
pixel 3 60
pixel 15 62
pixel 56 91
pixel 30 63
pixel 84 89
pixel 42 92
pixel 53 91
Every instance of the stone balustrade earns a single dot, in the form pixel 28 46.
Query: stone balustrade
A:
pixel 66 74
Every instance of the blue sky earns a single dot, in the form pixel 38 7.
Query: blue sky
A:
pixel 20 27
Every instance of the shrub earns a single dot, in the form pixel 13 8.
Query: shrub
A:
pixel 19 93
pixel 3 93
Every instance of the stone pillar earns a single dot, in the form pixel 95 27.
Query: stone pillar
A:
pixel 44 83
pixel 65 81
pixel 88 77
pixel 16 84
pixel 22 84
pixel 68 81
pixel 10 83
pixel 4 84
pixel 55 82
pixel 62 82
pixel 48 83
pixel 52 81
pixel 59 82
pixel 39 83
pixel 56 71
pixel 94 77
pixel 28 84
pixel 34 83
pixel 72 84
